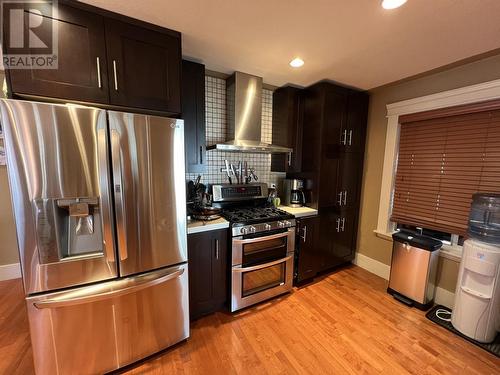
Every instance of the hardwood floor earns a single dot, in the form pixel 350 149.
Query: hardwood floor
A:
pixel 343 323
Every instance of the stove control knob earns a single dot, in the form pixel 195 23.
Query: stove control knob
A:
pixel 288 223
pixel 281 224
pixel 267 226
pixel 244 230
pixel 252 229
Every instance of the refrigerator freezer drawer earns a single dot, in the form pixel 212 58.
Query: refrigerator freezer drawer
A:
pixel 99 328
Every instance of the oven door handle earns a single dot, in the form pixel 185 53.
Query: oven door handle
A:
pixel 260 266
pixel 263 238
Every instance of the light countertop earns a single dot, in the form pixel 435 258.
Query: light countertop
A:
pixel 197 226
pixel 299 211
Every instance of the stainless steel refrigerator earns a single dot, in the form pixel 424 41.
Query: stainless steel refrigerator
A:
pixel 99 206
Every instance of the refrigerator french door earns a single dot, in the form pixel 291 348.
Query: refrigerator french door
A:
pixel 99 206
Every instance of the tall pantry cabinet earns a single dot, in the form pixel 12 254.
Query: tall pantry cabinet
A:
pixel 333 141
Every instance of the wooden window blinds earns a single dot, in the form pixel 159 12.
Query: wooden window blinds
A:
pixel 442 161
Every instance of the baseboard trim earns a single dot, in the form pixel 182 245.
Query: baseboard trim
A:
pixel 371 265
pixel 442 296
pixel 10 271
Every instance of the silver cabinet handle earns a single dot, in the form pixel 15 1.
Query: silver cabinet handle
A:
pixel 120 208
pixel 345 197
pixel 343 224
pixel 216 249
pixel 338 225
pixel 350 137
pixel 109 290
pixel 343 138
pixel 99 83
pixel 305 233
pixel 289 159
pixel 115 75
pixel 340 198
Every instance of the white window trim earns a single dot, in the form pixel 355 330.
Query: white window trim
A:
pixel 464 95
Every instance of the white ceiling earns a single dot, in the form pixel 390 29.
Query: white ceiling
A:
pixel 355 42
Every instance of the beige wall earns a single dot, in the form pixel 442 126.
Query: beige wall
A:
pixel 379 249
pixel 8 242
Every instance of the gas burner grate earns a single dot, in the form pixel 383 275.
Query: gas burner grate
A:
pixel 243 215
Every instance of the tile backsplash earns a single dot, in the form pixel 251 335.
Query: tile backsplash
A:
pixel 215 111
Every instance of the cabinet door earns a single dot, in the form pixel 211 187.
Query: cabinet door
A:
pixel 287 129
pixel 334 118
pixel 219 268
pixel 81 72
pixel 307 254
pixel 144 67
pixel 207 253
pixel 201 247
pixel 328 182
pixel 355 125
pixel 348 179
pixel 343 236
pixel 193 114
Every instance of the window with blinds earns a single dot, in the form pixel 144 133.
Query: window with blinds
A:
pixel 442 161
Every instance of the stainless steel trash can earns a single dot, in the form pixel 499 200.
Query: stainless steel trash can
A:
pixel 413 269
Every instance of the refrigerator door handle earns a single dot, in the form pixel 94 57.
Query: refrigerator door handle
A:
pixel 102 149
pixel 131 285
pixel 120 209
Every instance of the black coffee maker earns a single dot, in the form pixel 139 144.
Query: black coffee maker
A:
pixel 294 192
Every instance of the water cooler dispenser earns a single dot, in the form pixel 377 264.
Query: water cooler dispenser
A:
pixel 476 312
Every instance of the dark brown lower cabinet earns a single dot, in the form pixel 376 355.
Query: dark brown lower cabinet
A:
pixel 324 241
pixel 344 228
pixel 207 252
pixel 308 256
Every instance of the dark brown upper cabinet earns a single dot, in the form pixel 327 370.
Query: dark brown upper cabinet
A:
pixel 143 67
pixel 349 173
pixel 334 130
pixel 287 129
pixel 81 74
pixel 193 114
pixel 355 124
pixel 104 58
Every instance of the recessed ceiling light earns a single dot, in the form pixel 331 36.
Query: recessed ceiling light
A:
pixel 392 4
pixel 296 62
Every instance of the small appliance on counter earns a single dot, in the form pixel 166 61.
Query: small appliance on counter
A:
pixel 476 311
pixel 413 269
pixel 293 191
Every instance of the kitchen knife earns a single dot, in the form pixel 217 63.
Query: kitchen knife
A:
pixel 228 171
pixel 233 169
pixel 252 173
pixel 247 178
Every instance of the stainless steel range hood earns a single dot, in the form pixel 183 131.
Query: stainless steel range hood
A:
pixel 244 116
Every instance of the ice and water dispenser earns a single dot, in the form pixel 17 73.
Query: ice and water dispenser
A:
pixel 67 228
pixel 476 311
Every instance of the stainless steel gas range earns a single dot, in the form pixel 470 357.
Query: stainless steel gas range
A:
pixel 262 243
